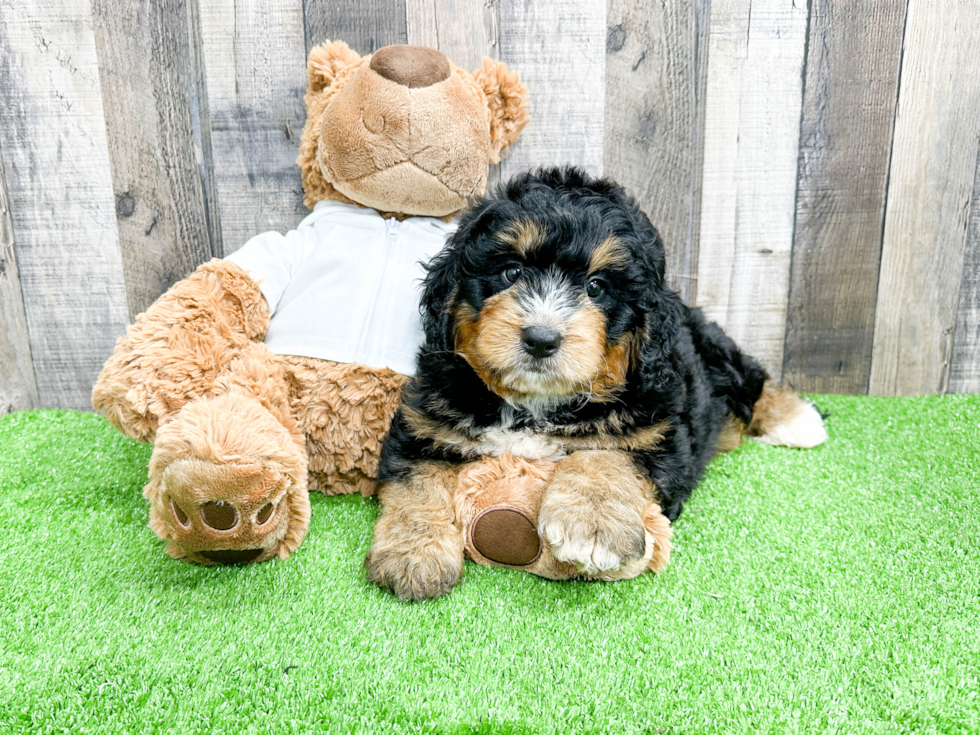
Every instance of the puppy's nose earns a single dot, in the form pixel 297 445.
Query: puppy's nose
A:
pixel 540 342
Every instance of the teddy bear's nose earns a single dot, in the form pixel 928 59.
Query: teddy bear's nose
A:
pixel 411 66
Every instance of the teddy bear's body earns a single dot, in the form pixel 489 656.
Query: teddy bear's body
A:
pixel 277 370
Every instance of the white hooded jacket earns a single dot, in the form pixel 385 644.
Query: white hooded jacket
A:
pixel 345 284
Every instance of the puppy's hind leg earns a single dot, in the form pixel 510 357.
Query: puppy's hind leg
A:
pixel 773 414
pixel 782 417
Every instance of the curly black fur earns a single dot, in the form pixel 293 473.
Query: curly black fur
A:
pixel 686 371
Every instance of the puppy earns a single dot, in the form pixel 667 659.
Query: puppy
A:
pixel 550 334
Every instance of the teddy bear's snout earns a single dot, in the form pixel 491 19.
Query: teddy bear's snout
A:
pixel 411 66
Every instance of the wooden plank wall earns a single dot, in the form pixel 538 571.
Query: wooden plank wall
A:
pixel 933 167
pixel 147 76
pixel 59 191
pixel 18 388
pixel 752 119
pixel 813 165
pixel 850 92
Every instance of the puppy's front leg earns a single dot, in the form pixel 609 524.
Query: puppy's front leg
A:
pixel 592 512
pixel 417 551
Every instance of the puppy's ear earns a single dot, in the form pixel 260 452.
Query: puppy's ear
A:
pixel 437 291
pixel 447 269
pixel 656 335
pixel 655 341
pixel 653 246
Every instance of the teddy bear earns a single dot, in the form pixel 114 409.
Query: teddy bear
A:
pixel 277 370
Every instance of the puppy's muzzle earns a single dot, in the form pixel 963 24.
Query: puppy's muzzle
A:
pixel 540 342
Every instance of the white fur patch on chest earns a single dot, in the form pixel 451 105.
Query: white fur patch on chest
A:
pixel 520 443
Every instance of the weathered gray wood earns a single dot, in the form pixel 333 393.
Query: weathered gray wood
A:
pixel 18 389
pixel 201 123
pixel 255 65
pixel 937 136
pixel 850 94
pixel 964 374
pixel 464 32
pixel 558 48
pixel 654 117
pixel 752 117
pixel 148 95
pixel 364 25
pixel 52 134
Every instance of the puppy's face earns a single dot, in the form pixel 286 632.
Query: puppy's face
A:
pixel 546 303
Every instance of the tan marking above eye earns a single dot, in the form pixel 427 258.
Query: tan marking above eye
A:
pixel 609 254
pixel 524 235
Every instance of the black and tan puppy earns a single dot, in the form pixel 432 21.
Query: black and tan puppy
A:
pixel 550 334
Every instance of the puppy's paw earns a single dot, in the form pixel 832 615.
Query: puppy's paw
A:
pixel 592 513
pixel 415 565
pixel 596 535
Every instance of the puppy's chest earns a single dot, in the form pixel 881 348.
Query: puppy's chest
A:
pixel 537 439
pixel 521 442
pixel 531 438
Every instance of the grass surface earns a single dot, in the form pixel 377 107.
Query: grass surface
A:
pixel 832 590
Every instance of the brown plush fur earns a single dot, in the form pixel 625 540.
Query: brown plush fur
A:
pixel 344 411
pixel 203 457
pixel 241 434
pixel 176 350
pixel 507 99
pixel 189 376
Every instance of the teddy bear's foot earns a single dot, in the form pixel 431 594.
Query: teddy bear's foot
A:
pixel 506 535
pixel 228 483
pixel 497 504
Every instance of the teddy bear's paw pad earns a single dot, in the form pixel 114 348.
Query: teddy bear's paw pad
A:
pixel 226 514
pixel 506 536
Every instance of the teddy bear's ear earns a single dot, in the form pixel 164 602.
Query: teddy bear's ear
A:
pixel 507 99
pixel 325 62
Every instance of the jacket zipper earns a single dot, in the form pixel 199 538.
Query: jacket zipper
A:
pixel 391 239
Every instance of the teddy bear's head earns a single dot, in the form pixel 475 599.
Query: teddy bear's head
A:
pixel 404 130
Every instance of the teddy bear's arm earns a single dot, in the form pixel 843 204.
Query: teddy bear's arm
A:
pixel 174 350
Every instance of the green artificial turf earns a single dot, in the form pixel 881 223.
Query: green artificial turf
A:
pixel 832 590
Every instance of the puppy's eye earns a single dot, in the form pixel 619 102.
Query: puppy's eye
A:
pixel 595 288
pixel 512 273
